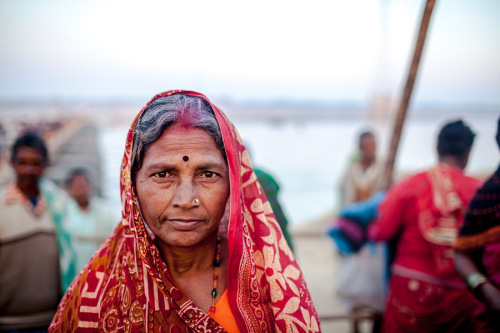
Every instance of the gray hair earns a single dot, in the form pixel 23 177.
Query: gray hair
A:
pixel 187 110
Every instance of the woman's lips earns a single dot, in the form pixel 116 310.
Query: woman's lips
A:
pixel 184 225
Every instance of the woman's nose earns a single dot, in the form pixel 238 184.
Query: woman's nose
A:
pixel 185 195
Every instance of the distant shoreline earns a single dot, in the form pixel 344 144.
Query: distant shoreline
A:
pixel 123 112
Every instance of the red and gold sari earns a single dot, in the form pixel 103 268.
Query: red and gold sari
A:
pixel 127 287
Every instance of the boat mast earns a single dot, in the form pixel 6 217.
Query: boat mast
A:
pixel 405 99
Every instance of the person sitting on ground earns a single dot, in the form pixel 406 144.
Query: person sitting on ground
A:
pixel 176 262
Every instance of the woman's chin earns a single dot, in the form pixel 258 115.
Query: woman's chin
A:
pixel 180 238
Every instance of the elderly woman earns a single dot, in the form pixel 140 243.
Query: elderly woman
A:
pixel 198 248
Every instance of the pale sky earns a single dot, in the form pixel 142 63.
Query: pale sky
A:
pixel 328 50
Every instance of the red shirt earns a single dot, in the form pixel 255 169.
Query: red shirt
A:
pixel 399 216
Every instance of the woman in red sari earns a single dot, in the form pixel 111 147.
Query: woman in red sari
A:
pixel 198 248
pixel 425 212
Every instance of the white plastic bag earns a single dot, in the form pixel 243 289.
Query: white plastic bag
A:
pixel 362 278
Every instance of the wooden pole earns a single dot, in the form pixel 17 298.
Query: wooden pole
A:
pixel 405 99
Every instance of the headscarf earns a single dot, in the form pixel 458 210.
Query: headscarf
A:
pixel 128 287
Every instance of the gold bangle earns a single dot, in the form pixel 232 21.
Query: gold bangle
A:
pixel 475 280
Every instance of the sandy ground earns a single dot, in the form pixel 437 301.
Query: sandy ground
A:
pixel 319 263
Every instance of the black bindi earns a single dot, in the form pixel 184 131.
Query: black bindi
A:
pixel 185 158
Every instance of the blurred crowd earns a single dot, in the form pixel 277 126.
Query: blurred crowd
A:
pixel 48 232
pixel 422 255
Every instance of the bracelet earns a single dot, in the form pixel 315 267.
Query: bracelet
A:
pixel 475 280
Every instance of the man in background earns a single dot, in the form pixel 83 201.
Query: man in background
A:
pixel 36 261
pixel 361 180
pixel 424 213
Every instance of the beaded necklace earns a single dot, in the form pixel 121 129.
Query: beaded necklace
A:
pixel 216 276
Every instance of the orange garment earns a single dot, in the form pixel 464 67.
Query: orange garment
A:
pixel 223 314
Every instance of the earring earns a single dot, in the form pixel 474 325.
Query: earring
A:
pixel 196 201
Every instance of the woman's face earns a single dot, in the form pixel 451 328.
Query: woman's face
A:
pixel 183 165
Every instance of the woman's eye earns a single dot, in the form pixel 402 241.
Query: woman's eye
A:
pixel 162 174
pixel 208 174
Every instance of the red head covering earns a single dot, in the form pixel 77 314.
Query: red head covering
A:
pixel 127 286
